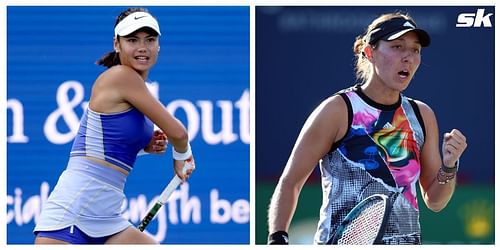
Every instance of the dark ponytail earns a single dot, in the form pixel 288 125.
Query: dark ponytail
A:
pixel 113 58
pixel 109 60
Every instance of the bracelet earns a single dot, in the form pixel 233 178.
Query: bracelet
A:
pixel 182 156
pixel 453 170
pixel 443 177
pixel 278 238
pixel 446 174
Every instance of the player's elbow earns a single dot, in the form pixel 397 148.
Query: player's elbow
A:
pixel 436 206
pixel 436 201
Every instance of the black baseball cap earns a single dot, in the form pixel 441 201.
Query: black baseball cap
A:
pixel 394 28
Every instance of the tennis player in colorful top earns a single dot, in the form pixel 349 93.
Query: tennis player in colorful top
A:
pixel 85 206
pixel 371 139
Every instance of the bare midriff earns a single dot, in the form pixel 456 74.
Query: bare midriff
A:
pixel 106 164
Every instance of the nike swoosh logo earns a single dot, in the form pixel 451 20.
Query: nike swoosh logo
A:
pixel 138 17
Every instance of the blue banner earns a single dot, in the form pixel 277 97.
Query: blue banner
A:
pixel 202 77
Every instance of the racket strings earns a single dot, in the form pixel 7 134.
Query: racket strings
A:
pixel 363 229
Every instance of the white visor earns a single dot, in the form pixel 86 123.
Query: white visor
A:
pixel 136 21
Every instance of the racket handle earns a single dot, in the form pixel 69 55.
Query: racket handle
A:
pixel 169 189
pixel 174 183
pixel 151 214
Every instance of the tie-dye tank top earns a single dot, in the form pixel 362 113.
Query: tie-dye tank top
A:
pixel 380 154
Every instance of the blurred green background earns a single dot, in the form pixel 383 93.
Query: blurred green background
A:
pixel 469 218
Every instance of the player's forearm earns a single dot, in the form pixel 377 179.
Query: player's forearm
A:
pixel 180 144
pixel 282 206
pixel 177 136
pixel 439 194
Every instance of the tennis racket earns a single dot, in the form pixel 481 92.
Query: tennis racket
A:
pixel 172 185
pixel 365 223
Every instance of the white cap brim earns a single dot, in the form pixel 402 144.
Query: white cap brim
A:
pixel 136 21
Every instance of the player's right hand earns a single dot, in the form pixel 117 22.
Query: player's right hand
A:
pixel 184 168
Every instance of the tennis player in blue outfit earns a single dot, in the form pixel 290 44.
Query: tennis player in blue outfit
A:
pixel 85 205
pixel 371 139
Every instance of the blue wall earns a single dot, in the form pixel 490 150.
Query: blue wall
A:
pixel 304 54
pixel 202 75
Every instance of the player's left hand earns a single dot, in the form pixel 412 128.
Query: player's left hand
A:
pixel 158 143
pixel 454 144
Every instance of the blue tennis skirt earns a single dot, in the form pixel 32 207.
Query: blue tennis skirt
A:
pixel 89 196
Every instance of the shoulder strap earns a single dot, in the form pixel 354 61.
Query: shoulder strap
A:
pixel 416 109
pixel 344 96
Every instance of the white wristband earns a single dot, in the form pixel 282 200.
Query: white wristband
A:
pixel 182 156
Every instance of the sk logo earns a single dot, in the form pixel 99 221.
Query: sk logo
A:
pixel 477 19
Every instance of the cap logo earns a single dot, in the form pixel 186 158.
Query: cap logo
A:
pixel 408 24
pixel 139 17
